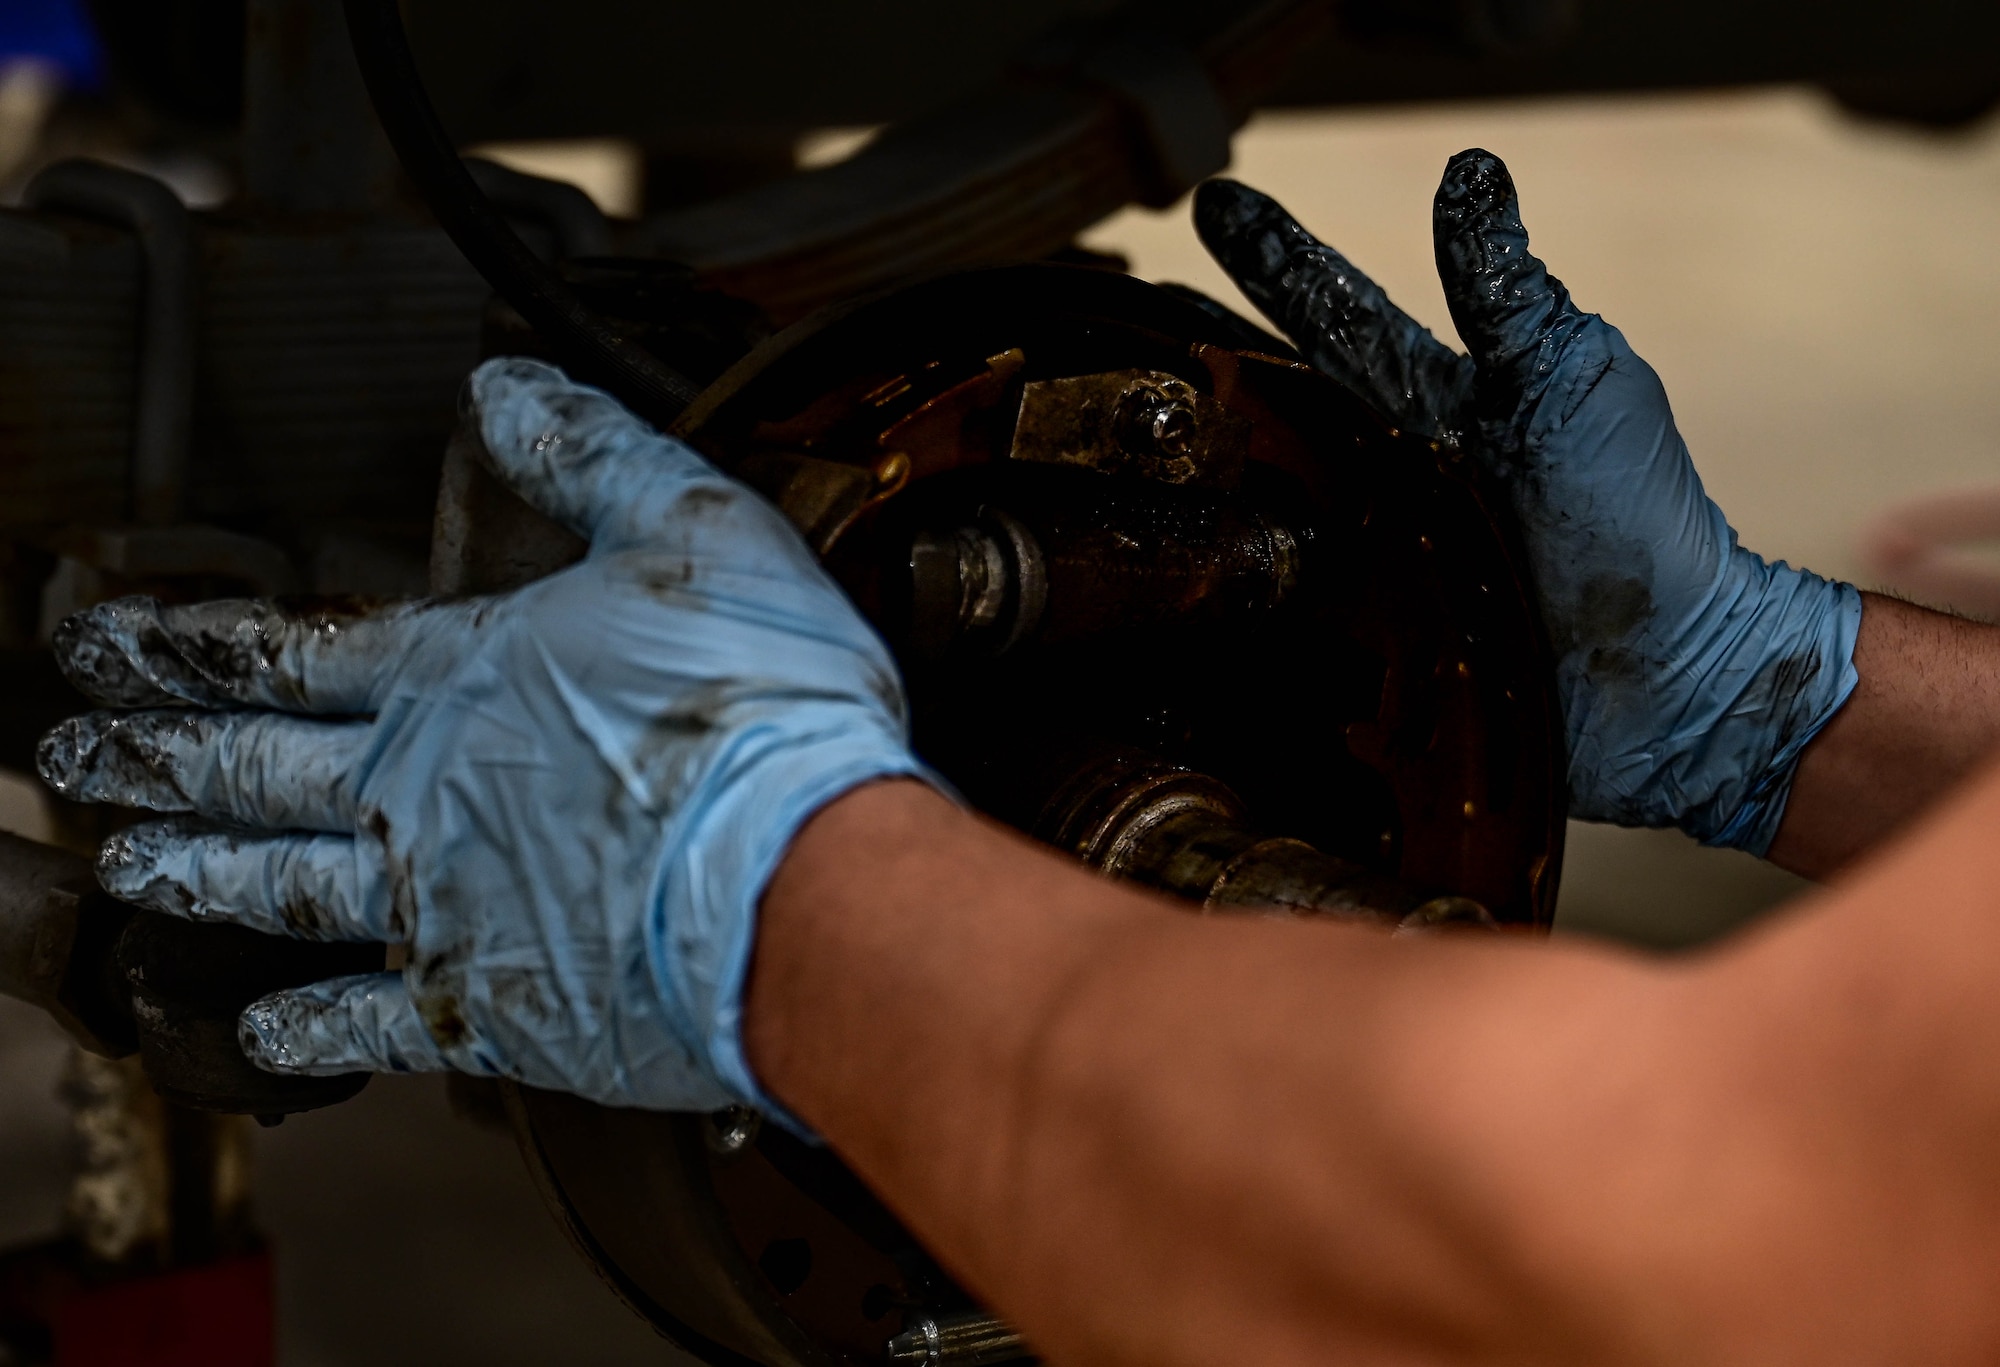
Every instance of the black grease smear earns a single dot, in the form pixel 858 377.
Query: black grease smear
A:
pixel 128 868
pixel 675 746
pixel 1341 320
pixel 444 1019
pixel 571 407
pixel 683 725
pixel 133 652
pixel 1612 668
pixel 670 581
pixel 91 656
pixel 672 578
pixel 1776 691
pixel 701 712
pixel 672 748
pixel 887 689
pixel 128 653
pixel 1514 316
pixel 309 919
pixel 1776 707
pixel 1610 606
pixel 130 865
pixel 401 877
pixel 519 997
pixel 433 976
pixel 434 987
pixel 706 501
pixel 131 759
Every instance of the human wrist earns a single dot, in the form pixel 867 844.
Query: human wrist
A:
pixel 1924 715
pixel 1812 675
pixel 908 955
pixel 782 793
pixel 1709 737
pixel 1697 714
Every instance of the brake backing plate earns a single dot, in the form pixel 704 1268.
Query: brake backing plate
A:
pixel 1163 598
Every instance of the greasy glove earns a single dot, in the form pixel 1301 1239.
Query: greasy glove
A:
pixel 1692 674
pixel 565 801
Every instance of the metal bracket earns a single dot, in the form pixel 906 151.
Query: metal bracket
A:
pixel 164 410
pixel 1132 422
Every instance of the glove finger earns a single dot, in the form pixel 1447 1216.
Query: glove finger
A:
pixel 258 769
pixel 1511 313
pixel 135 652
pixel 1341 321
pixel 313 887
pixel 362 1024
pixel 576 454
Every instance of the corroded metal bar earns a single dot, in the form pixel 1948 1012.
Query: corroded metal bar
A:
pixel 40 887
pixel 54 932
pixel 1137 817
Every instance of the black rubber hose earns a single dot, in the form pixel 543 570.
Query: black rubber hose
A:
pixel 588 345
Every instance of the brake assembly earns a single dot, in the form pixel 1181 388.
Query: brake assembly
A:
pixel 1163 598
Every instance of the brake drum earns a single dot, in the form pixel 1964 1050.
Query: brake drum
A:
pixel 1164 599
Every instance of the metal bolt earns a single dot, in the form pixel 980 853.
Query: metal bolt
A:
pixel 732 1130
pixel 1173 429
pixel 969 1340
pixel 1156 422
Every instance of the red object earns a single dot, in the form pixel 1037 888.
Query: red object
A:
pixel 219 1315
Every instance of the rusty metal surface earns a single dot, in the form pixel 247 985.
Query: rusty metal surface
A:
pixel 1133 816
pixel 1418 631
pixel 1132 422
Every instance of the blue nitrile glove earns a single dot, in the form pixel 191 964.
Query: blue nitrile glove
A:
pixel 566 800
pixel 1691 673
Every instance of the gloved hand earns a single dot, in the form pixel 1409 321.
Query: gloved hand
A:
pixel 1692 674
pixel 566 801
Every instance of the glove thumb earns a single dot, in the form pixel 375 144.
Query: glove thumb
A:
pixel 1513 316
pixel 579 456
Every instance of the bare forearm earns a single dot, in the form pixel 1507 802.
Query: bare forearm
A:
pixel 1926 713
pixel 907 953
pixel 1155 1137
pixel 1170 1140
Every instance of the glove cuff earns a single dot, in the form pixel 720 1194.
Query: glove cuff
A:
pixel 1825 677
pixel 1709 738
pixel 723 877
